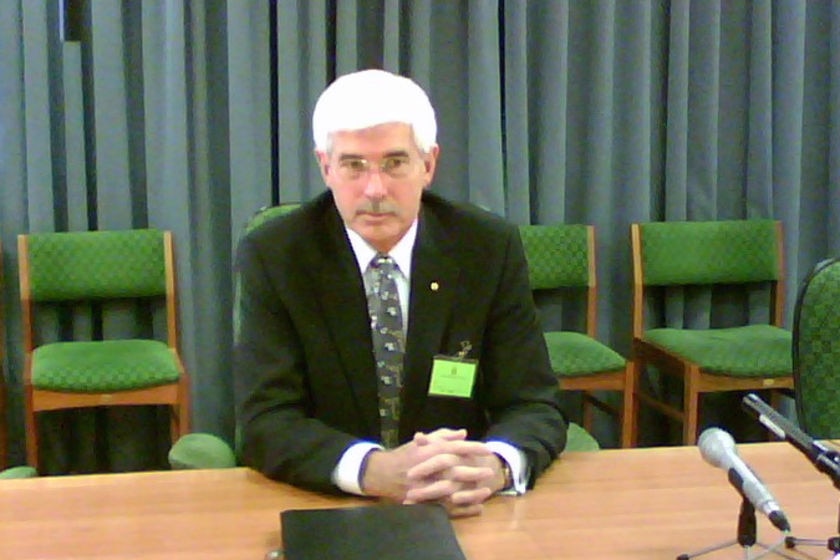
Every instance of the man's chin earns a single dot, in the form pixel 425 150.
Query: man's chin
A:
pixel 377 235
pixel 376 221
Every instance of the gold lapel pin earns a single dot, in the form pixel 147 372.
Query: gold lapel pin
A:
pixel 434 286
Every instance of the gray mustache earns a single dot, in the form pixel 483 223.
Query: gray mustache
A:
pixel 377 207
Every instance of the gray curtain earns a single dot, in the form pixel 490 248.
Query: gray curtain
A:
pixel 190 116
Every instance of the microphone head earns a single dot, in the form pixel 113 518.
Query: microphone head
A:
pixel 717 447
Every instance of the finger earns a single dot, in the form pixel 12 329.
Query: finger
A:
pixel 470 496
pixel 433 466
pixel 469 452
pixel 464 511
pixel 464 448
pixel 445 434
pixel 435 490
pixel 451 467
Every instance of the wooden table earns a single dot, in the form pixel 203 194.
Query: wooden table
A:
pixel 615 504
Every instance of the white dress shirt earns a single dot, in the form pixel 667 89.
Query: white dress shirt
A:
pixel 347 474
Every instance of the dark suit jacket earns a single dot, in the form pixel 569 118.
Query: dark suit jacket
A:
pixel 303 362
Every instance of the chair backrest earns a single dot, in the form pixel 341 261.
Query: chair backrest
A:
pixel 563 256
pixel 92 266
pixel 259 218
pixel 265 213
pixel 816 351
pixel 705 253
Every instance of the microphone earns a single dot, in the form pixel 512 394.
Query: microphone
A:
pixel 718 449
pixel 826 460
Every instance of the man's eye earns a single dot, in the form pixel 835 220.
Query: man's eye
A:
pixel 354 165
pixel 395 163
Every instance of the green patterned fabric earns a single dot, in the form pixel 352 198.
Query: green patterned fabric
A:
pixel 719 252
pixel 18 472
pixel 816 352
pixel 749 351
pixel 578 439
pixel 575 354
pixel 266 213
pixel 96 264
pixel 201 451
pixel 103 366
pixel 558 258
pixel 558 255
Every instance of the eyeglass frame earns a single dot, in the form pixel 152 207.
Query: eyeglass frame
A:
pixel 347 173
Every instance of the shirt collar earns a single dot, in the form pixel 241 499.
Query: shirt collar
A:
pixel 401 252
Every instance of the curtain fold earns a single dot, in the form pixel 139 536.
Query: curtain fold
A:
pixel 189 117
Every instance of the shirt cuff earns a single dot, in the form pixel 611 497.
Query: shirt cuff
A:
pixel 347 473
pixel 517 461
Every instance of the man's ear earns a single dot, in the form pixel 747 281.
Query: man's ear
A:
pixel 430 163
pixel 323 163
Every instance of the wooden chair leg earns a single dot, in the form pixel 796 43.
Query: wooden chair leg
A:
pixel 691 406
pixel 31 425
pixel 181 411
pixel 637 368
pixel 628 408
pixel 588 413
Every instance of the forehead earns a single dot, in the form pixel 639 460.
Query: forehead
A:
pixel 383 138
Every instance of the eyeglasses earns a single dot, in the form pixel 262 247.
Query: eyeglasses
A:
pixel 394 166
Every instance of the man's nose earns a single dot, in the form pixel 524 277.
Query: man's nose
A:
pixel 374 188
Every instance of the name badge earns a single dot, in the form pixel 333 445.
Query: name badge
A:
pixel 453 376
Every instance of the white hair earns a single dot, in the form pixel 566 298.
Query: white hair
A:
pixel 369 98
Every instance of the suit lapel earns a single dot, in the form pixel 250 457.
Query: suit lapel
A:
pixel 345 309
pixel 434 278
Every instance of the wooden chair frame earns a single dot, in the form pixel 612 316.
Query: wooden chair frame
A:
pixel 695 380
pixel 176 395
pixel 619 380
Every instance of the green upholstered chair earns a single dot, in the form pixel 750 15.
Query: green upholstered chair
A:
pixel 266 213
pixel 578 439
pixel 95 269
pixel 18 472
pixel 740 358
pixel 205 450
pixel 201 451
pixel 816 352
pixel 562 258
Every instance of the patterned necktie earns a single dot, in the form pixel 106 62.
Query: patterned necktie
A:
pixel 388 343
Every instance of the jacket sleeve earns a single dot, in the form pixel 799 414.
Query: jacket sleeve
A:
pixel 279 435
pixel 521 391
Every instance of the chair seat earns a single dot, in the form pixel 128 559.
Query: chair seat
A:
pixel 575 354
pixel 18 472
pixel 578 439
pixel 103 366
pixel 750 351
pixel 201 451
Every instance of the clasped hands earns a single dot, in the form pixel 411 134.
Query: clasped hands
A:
pixel 441 466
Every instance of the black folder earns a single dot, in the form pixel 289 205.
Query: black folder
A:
pixel 376 532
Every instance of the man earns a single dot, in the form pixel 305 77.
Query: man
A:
pixel 387 342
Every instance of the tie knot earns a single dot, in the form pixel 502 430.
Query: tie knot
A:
pixel 382 262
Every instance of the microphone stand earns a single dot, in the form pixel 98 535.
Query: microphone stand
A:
pixel 831 543
pixel 746 537
pixel 825 459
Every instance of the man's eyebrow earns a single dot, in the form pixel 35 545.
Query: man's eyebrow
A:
pixel 397 153
pixel 394 153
